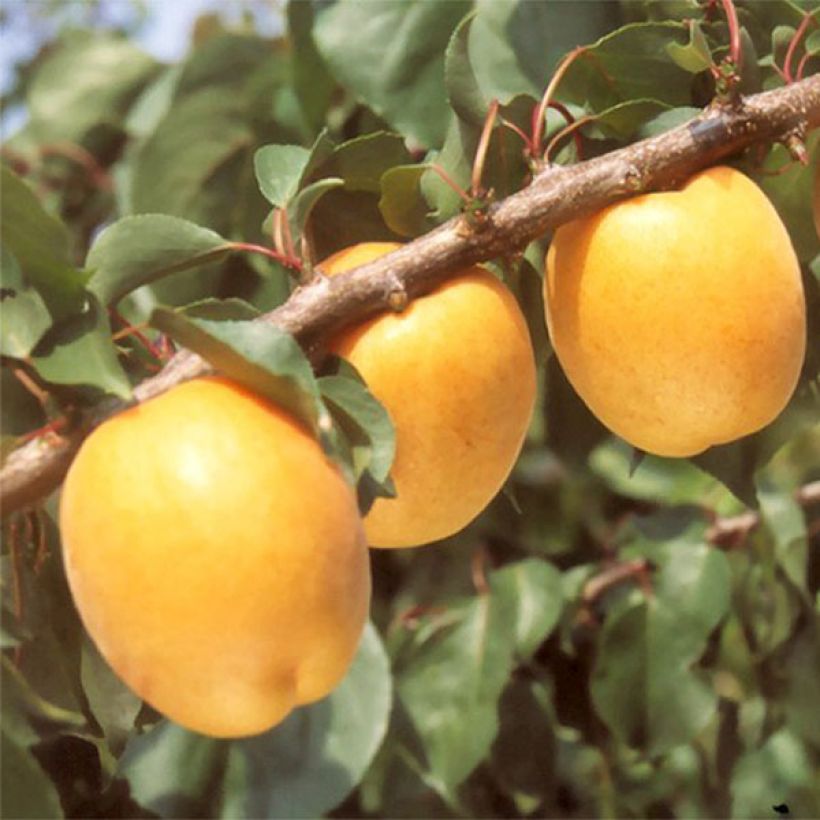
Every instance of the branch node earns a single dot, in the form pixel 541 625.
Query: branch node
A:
pixel 397 298
pixel 795 142
pixel 633 179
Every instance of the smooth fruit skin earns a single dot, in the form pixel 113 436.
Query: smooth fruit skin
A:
pixel 216 557
pixel 679 317
pixel 455 372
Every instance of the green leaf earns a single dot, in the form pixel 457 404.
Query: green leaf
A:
pixel 279 170
pixel 25 315
pixel 536 588
pixel 642 684
pixel 258 355
pixel 312 83
pixel 402 205
pixel 223 63
pixel 454 159
pixel 780 771
pixel 695 56
pixel 733 465
pixel 450 685
pixel 306 200
pixel 626 119
pixel 786 521
pixel 517 45
pixel 790 187
pixel 86 80
pixel 362 161
pixel 40 245
pixel 392 56
pixel 137 250
pixel 26 791
pixel 365 421
pixel 524 755
pixel 312 761
pixel 802 696
pixel 667 120
pixel 631 63
pixel 664 480
pixel 20 698
pixel 572 431
pixel 185 167
pixel 462 87
pixel 153 103
pixel 79 351
pixel 303 767
pixel 342 218
pixel 170 771
pixel 112 703
pixel 20 411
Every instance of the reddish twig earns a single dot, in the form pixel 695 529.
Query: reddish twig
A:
pixel 570 129
pixel 732 532
pixel 793 43
pixel 82 157
pixel 478 571
pixel 54 426
pixel 451 183
pixel 287 260
pixel 481 150
pixel 540 113
pixel 735 54
pixel 598 585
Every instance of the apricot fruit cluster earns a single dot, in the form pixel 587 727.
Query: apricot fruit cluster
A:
pixel 218 558
pixel 679 317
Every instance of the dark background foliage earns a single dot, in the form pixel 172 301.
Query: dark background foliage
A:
pixel 502 674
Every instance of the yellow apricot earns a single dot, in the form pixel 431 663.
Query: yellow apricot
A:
pixel 455 372
pixel 679 317
pixel 216 557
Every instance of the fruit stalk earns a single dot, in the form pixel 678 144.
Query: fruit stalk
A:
pixel 557 195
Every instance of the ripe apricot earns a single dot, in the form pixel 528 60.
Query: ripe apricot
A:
pixel 455 371
pixel 216 557
pixel 679 317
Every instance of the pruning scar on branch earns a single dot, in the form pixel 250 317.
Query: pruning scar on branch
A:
pixel 556 195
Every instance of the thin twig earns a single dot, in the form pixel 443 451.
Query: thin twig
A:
pixel 732 531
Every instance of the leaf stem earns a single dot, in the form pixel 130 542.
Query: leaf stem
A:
pixel 540 113
pixel 82 157
pixel 734 32
pixel 481 150
pixel 572 128
pixel 613 576
pixel 290 262
pixel 793 43
pixel 465 197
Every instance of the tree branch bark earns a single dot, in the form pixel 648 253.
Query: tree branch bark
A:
pixel 557 195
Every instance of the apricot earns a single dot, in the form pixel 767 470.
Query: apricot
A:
pixel 455 371
pixel 679 317
pixel 216 557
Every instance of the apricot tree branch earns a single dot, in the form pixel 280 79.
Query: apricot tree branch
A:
pixel 556 195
